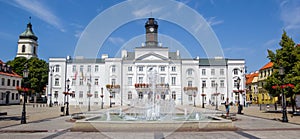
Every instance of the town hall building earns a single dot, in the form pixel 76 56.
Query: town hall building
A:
pixel 149 71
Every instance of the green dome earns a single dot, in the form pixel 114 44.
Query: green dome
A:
pixel 28 33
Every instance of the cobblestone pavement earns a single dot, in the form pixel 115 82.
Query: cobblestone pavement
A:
pixel 45 122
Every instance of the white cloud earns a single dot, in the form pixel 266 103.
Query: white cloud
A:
pixel 289 14
pixel 270 43
pixel 212 21
pixel 116 40
pixel 40 10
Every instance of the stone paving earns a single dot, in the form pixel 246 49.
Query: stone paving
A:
pixel 45 122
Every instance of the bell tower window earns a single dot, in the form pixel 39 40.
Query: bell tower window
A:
pixel 23 48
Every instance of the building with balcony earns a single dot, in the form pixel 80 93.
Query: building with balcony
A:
pixel 149 71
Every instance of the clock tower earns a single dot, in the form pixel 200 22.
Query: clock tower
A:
pixel 151 33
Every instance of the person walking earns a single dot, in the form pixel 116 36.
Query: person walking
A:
pixel 227 107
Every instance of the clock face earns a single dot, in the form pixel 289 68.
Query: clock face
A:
pixel 151 29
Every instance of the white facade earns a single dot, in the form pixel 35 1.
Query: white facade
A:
pixel 183 78
pixel 8 85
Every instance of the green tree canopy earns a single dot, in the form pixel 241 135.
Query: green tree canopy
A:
pixel 38 71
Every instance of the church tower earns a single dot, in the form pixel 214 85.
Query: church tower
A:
pixel 27 44
pixel 151 27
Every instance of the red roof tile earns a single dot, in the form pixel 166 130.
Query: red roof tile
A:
pixel 250 77
pixel 12 74
pixel 268 65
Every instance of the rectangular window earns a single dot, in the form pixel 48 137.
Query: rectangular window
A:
pixel 173 68
pixel 96 81
pixel 73 82
pixel 56 82
pixel 81 68
pixel 73 94
pixel 8 82
pixel 113 81
pixel 96 68
pixel 80 94
pixel 162 80
pixel 203 83
pixel 12 96
pixel 130 68
pixel 203 72
pixel 162 68
pixel 14 83
pixel 3 81
pixel 173 80
pixel 89 68
pixel 235 83
pixel 222 72
pixel 140 79
pixel 96 94
pixel 235 71
pixel 129 81
pixel 55 94
pixel 212 72
pixel 129 95
pixel 140 68
pixel 113 69
pixel 190 97
pixel 190 83
pixel 81 82
pixel 17 96
pixel 213 83
pixel 74 68
pixel 222 84
pixel 56 68
pixel 18 83
pixel 190 72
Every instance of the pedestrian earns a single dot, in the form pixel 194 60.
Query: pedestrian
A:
pixel 227 107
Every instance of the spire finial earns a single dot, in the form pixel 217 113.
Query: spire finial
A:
pixel 29 19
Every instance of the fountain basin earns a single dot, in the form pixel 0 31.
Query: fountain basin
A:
pixel 212 123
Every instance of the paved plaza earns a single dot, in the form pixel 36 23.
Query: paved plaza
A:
pixel 47 122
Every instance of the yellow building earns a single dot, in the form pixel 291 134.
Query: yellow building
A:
pixel 252 88
pixel 263 95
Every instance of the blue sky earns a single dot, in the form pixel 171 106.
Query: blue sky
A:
pixel 245 28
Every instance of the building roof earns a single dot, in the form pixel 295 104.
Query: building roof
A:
pixel 267 66
pixel 212 62
pixel 28 33
pixel 6 70
pixel 250 77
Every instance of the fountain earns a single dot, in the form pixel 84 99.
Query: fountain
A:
pixel 152 114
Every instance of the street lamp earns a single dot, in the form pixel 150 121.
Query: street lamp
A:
pixel 216 95
pixel 51 74
pixel 284 111
pixel 89 95
pixel 202 96
pixel 110 96
pixel 194 98
pixel 25 75
pixel 238 81
pixel 101 97
pixel 67 93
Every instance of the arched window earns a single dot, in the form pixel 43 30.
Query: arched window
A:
pixel 113 68
pixel 34 50
pixel 140 95
pixel 190 72
pixel 235 72
pixel 23 48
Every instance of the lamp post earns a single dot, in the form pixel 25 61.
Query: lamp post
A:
pixel 67 93
pixel 51 74
pixel 216 96
pixel 194 98
pixel 89 95
pixel 25 75
pixel 284 111
pixel 101 97
pixel 110 96
pixel 238 80
pixel 202 96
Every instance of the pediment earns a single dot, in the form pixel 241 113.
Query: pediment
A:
pixel 152 56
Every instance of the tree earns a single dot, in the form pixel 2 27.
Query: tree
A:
pixel 38 72
pixel 288 58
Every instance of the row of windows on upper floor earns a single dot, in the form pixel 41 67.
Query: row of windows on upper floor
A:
pixel 265 73
pixel 8 82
